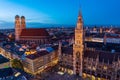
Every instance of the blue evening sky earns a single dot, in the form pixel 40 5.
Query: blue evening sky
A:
pixel 61 11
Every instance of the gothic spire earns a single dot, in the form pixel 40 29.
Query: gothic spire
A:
pixel 80 17
pixel 80 13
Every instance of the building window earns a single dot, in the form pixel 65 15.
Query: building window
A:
pixel 105 67
pixel 94 68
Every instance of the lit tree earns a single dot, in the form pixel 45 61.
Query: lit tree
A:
pixel 15 63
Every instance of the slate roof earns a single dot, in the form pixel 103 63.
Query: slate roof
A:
pixel 6 72
pixel 67 50
pixel 55 47
pixel 103 56
pixel 3 59
pixel 38 54
pixel 95 35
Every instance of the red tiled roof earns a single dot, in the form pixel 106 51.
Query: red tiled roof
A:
pixel 34 32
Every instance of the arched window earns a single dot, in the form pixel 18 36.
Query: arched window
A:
pixel 78 54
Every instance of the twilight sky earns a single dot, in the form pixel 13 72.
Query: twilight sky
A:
pixel 61 11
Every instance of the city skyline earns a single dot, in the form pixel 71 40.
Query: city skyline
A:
pixel 60 12
pixel 46 43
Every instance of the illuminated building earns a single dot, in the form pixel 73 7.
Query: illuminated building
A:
pixel 96 60
pixel 33 61
pixel 31 35
pixel 66 60
pixel 40 61
pixel 38 36
pixel 78 47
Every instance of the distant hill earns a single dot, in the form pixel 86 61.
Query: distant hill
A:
pixel 10 25
pixel 6 25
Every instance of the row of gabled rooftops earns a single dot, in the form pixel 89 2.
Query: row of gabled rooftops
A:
pixel 109 47
pixel 103 57
pixel 11 47
pixel 41 53
pixel 103 49
pixel 104 53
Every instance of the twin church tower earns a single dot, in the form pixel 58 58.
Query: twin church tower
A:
pixel 19 25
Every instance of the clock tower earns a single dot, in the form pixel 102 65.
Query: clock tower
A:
pixel 78 47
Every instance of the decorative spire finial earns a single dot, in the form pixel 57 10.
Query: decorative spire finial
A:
pixel 80 17
pixel 80 10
